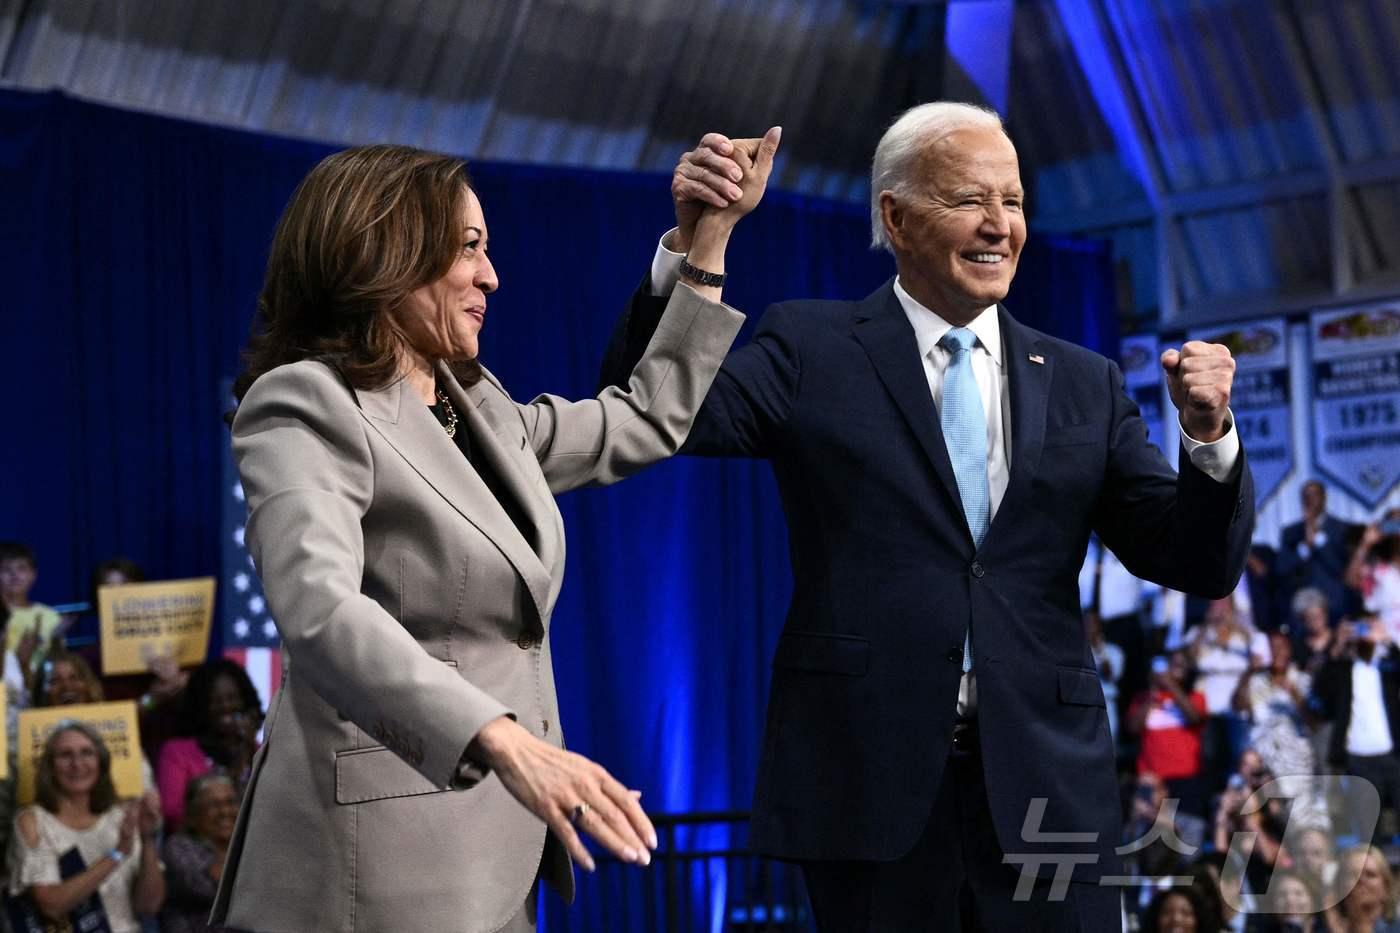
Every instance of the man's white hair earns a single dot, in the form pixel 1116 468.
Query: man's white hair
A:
pixel 898 150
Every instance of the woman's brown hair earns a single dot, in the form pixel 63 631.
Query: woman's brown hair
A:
pixel 104 793
pixel 95 693
pixel 365 228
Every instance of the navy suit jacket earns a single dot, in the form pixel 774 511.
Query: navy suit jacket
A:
pixel 887 578
pixel 1325 568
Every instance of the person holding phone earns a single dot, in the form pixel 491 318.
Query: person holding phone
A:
pixel 1358 690
pixel 1169 717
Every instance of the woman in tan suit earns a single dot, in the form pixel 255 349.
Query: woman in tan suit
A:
pixel 413 775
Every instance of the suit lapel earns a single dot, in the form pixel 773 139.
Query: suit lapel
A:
pixel 407 425
pixel 888 338
pixel 500 437
pixel 1029 389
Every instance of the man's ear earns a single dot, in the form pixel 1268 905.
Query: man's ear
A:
pixel 892 216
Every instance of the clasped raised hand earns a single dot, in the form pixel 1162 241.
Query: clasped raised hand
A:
pixel 722 177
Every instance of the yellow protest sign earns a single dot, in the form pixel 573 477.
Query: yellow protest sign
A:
pixel 141 621
pixel 115 722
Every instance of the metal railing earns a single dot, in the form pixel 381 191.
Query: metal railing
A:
pixel 703 877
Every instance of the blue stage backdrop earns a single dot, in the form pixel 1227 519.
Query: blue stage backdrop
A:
pixel 133 249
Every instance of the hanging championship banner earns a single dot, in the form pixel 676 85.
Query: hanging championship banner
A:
pixel 1142 378
pixel 1356 398
pixel 114 722
pixel 141 621
pixel 1260 399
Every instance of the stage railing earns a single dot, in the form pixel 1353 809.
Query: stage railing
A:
pixel 703 877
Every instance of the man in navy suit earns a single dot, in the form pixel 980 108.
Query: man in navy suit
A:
pixel 1314 552
pixel 937 744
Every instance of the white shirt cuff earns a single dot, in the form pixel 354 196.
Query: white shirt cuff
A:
pixel 665 267
pixel 1220 460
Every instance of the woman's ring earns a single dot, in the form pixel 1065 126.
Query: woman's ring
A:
pixel 579 813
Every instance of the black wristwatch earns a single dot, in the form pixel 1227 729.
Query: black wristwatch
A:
pixel 700 276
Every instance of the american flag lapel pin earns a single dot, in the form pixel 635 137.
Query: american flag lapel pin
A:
pixel 1037 359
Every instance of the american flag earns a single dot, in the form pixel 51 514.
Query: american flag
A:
pixel 250 635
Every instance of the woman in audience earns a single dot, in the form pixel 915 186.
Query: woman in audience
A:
pixel 1273 700
pixel 1175 910
pixel 194 857
pixel 1310 852
pixel 1295 902
pixel 81 857
pixel 1312 629
pixel 1374 571
pixel 1224 648
pixel 1169 717
pixel 220 723
pixel 1365 893
pixel 65 680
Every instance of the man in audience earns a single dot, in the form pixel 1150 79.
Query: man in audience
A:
pixel 1314 552
pixel 1359 691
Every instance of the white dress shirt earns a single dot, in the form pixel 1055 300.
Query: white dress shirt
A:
pixel 1218 459
pixel 1368 731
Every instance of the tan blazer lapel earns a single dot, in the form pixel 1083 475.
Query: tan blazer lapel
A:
pixel 497 430
pixel 411 430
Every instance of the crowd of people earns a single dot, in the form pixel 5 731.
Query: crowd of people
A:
pixel 80 856
pixel 1297 674
pixel 1291 685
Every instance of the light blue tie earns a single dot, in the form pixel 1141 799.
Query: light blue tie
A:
pixel 965 434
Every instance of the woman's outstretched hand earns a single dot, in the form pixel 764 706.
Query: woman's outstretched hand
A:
pixel 568 791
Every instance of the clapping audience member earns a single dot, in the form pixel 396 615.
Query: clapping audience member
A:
pixel 66 680
pixel 157 690
pixel 1169 717
pixel 30 626
pixel 1365 893
pixel 1224 649
pixel 1273 700
pixel 221 718
pixel 81 858
pixel 1358 690
pixel 194 857
pixel 1313 552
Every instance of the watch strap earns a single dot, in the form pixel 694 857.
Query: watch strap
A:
pixel 700 276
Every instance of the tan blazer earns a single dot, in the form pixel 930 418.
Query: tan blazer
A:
pixel 412 612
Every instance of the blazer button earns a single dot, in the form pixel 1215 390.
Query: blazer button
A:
pixel 955 654
pixel 526 642
pixel 544 726
pixel 977 570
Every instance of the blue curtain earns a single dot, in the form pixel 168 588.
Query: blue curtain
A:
pixel 133 249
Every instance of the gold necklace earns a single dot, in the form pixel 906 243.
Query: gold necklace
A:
pixel 451 426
